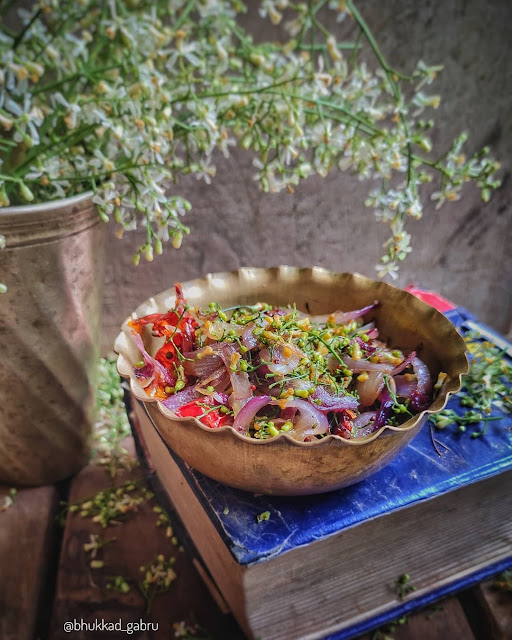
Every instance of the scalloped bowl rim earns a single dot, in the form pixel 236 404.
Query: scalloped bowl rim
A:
pixel 125 370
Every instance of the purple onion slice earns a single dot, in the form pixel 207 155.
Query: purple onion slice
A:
pixel 152 365
pixel 174 402
pixel 247 413
pixel 385 409
pixel 332 402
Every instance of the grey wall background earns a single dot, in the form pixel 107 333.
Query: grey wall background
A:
pixel 463 251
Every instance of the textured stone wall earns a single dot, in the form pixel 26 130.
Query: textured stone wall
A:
pixel 462 251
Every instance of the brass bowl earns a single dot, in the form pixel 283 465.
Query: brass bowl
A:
pixel 282 465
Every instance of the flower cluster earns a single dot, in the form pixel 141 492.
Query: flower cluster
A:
pixel 111 424
pixel 125 97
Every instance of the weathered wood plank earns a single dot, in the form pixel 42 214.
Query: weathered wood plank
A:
pixel 82 592
pixel 496 610
pixel 26 534
pixel 438 622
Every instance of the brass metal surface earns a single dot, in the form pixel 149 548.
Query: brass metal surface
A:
pixel 282 465
pixel 49 327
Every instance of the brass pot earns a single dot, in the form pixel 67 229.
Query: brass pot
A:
pixel 53 266
pixel 282 465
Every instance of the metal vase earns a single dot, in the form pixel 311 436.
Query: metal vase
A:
pixel 53 265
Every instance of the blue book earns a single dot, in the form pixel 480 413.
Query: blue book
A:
pixel 326 566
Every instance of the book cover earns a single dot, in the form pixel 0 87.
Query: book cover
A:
pixel 435 463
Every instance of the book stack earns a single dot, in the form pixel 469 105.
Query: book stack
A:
pixel 327 565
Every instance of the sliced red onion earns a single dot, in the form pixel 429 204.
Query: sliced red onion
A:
pixel 420 401
pixel 404 387
pixel 200 365
pixel 279 363
pixel 144 372
pixel 363 419
pixel 373 333
pixel 366 327
pixel 146 383
pixel 263 371
pixel 219 380
pixel 249 340
pixel 247 413
pixel 408 360
pixel 332 402
pixel 177 400
pixel 288 413
pixel 311 421
pixel 242 391
pixel 421 397
pixel 342 317
pixel 370 388
pixel 221 398
pixel 217 329
pixel 357 366
pixel 299 383
pixel 365 345
pixel 366 430
pixel 239 381
pixel 423 375
pixel 264 386
pixel 264 357
pixel 222 382
pixel 352 315
pixel 385 409
pixel 153 364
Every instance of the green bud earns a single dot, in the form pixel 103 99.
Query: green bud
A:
pixel 177 240
pixel 103 215
pixel 4 199
pixel 25 192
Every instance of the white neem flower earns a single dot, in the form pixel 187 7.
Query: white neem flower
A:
pixel 387 269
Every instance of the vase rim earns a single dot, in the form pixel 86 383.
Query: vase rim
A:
pixel 42 206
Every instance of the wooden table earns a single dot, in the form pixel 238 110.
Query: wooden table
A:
pixel 47 578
